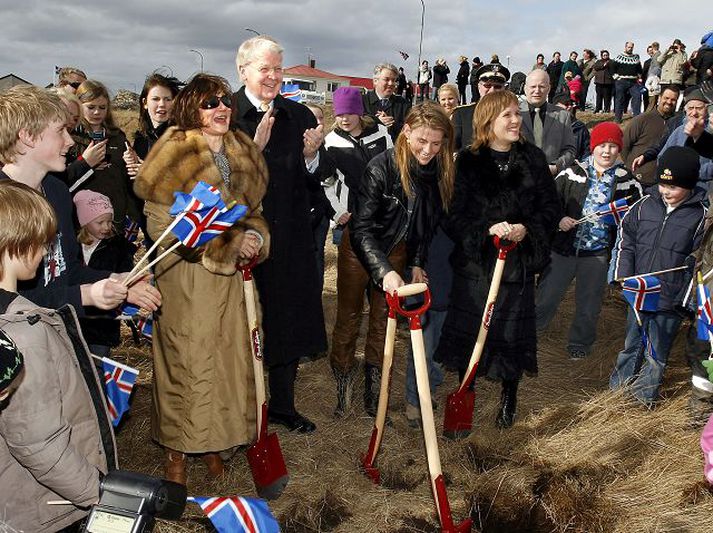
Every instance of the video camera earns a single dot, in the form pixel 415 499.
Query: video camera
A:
pixel 130 502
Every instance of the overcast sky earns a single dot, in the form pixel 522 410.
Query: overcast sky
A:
pixel 120 41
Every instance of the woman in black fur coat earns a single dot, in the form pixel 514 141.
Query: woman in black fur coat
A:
pixel 502 187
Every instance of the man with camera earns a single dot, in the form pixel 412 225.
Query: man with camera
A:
pixel 673 64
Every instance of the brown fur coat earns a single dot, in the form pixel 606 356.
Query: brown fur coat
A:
pixel 180 159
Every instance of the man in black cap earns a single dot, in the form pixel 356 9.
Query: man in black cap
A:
pixel 491 78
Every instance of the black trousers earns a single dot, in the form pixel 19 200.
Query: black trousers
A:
pixel 281 379
pixel 604 93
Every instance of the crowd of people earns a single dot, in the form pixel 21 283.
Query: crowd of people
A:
pixel 413 193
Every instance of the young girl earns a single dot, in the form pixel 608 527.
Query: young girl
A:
pixel 110 177
pixel 399 202
pixel 102 249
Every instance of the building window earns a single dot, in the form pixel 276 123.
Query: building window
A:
pixel 332 86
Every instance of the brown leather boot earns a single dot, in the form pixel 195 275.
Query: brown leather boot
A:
pixel 176 466
pixel 214 464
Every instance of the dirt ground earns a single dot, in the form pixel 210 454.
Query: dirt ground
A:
pixel 578 459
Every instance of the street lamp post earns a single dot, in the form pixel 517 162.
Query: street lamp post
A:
pixel 420 41
pixel 201 56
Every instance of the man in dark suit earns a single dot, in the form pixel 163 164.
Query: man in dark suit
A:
pixel 382 104
pixel 491 78
pixel 288 281
pixel 545 125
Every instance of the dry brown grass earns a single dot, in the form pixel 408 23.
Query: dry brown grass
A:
pixel 579 458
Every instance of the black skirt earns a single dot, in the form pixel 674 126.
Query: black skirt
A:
pixel 511 346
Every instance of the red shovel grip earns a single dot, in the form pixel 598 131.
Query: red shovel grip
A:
pixel 504 246
pixel 247 268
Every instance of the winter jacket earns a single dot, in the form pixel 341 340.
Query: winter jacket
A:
pixel 440 74
pixel 603 72
pixel 115 255
pixel 703 63
pixel 56 438
pixel 396 107
pixel 573 185
pixel 554 70
pixel 463 75
pixel 144 141
pixel 587 69
pixel 347 158
pixel 649 239
pixel 582 140
pixel 384 216
pixel 672 66
pixel 679 138
pixel 62 271
pixel 569 66
pixel 112 181
pixel 626 67
pixel 557 134
pixel 424 76
pixel 643 131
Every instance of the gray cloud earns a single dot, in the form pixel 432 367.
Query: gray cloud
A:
pixel 120 42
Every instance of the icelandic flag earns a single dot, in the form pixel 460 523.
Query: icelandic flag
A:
pixel 119 382
pixel 704 320
pixel 131 229
pixel 643 292
pixel 237 514
pixel 613 212
pixel 145 326
pixel 198 227
pixel 291 91
pixel 127 311
pixel 404 55
pixel 202 196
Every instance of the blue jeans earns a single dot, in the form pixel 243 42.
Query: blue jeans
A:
pixel 432 325
pixel 634 367
pixel 622 95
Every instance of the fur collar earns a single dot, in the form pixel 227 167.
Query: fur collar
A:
pixel 182 158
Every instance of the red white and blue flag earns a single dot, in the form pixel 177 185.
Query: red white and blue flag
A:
pixel 237 514
pixel 404 55
pixel 202 196
pixel 613 212
pixel 198 227
pixel 291 91
pixel 131 229
pixel 643 292
pixel 119 381
pixel 705 314
pixel 145 326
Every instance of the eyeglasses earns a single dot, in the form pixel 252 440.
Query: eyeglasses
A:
pixel 214 101
pixel 74 84
pixel 276 71
pixel 489 85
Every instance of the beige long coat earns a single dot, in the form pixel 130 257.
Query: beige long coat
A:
pixel 203 390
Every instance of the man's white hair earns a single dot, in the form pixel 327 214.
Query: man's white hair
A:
pixel 251 48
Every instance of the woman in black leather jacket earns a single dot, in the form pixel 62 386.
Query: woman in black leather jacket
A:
pixel 400 200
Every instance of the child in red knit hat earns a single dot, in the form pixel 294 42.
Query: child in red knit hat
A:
pixel 583 243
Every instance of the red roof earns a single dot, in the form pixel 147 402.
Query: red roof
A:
pixel 367 83
pixel 307 71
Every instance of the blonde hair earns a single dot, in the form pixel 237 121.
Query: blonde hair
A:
pixel 365 121
pixel 428 115
pixel 487 110
pixel 28 108
pixel 84 237
pixel 28 221
pixel 91 90
pixel 449 87
pixel 65 72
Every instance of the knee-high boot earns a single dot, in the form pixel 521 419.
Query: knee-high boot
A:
pixel 508 403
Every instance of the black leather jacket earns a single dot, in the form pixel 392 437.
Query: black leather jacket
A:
pixel 384 215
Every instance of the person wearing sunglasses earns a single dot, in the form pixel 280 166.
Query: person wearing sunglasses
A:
pixel 491 78
pixel 70 78
pixel 289 281
pixel 203 387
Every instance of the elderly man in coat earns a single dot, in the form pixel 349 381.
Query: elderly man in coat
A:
pixel 288 281
pixel 546 126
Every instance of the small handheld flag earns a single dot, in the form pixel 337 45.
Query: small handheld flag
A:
pixel 291 91
pixel 118 382
pixel 237 514
pixel 145 326
pixel 704 321
pixel 201 196
pixel 613 212
pixel 131 229
pixel 642 292
pixel 404 55
pixel 197 228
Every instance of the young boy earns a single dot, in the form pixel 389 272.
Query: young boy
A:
pixel 581 251
pixel 34 142
pixel 658 233
pixel 56 438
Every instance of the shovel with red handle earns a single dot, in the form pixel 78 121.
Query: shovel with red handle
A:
pixel 438 485
pixel 458 419
pixel 264 456
pixel 377 432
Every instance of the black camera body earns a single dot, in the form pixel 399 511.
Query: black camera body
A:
pixel 130 502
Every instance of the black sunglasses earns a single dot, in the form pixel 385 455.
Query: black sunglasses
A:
pixel 75 84
pixel 214 101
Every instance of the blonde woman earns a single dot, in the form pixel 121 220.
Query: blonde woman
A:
pixel 402 196
pixel 448 98
pixel 503 188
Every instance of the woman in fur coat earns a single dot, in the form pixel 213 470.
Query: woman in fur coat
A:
pixel 502 188
pixel 203 392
